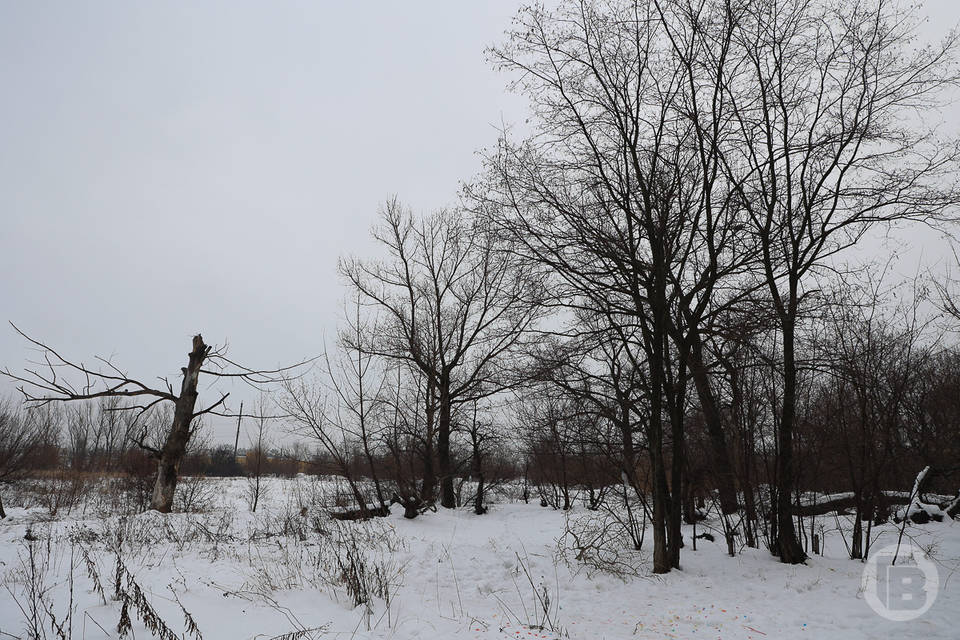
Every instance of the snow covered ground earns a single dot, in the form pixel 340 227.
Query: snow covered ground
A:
pixel 285 573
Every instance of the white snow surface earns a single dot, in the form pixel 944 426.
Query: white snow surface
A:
pixel 452 574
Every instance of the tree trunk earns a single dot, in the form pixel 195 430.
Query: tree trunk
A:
pixel 750 517
pixel 478 507
pixel 359 499
pixel 447 496
pixel 788 546
pixel 856 540
pixel 175 446
pixel 866 542
pixel 674 534
pixel 3 514
pixel 689 510
pixel 661 555
pixel 661 496
pixel 429 483
pixel 411 505
pixel 714 422
pixel 655 339
pixel 745 427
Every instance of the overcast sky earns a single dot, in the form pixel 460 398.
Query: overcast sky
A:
pixel 174 167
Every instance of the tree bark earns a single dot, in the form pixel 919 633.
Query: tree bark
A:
pixel 714 422
pixel 429 483
pixel 856 540
pixel 168 466
pixel 661 555
pixel 788 546
pixel 447 496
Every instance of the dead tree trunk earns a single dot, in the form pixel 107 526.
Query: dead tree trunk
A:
pixel 170 456
pixel 47 384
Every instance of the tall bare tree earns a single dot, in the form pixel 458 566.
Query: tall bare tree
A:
pixel 831 100
pixel 621 192
pixel 455 307
pixel 691 154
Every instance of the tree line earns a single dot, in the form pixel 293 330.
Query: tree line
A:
pixel 647 295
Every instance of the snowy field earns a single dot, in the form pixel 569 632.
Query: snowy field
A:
pixel 289 571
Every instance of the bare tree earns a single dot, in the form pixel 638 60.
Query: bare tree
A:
pixel 621 193
pixel 592 364
pixel 408 435
pixel 345 407
pixel 690 154
pixel 53 379
pixel 827 98
pixel 455 307
pixel 483 438
pixel 357 379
